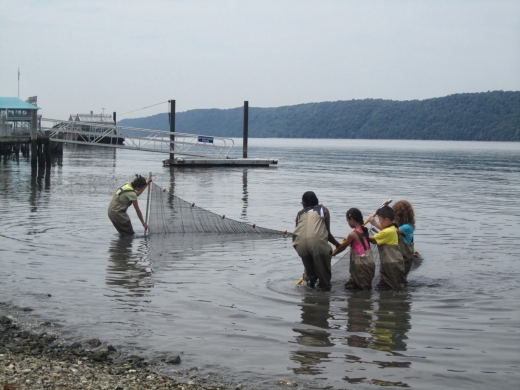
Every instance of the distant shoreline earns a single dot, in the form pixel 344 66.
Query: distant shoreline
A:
pixel 484 116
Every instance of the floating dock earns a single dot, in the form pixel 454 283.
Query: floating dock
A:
pixel 214 162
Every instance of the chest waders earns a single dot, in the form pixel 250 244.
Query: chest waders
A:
pixel 310 240
pixel 407 250
pixel 362 267
pixel 117 211
pixel 392 266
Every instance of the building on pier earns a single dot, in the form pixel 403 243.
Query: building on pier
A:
pixel 16 116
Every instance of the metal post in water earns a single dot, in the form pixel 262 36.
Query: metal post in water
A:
pixel 246 121
pixel 34 138
pixel 172 130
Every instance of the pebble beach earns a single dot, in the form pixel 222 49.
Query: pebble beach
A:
pixel 36 360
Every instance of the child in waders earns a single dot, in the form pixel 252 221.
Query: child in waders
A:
pixel 405 220
pixel 311 239
pixel 125 197
pixel 362 266
pixel 392 262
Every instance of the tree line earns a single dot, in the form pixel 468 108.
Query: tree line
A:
pixel 485 116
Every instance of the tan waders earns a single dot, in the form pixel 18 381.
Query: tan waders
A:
pixel 392 266
pixel 407 250
pixel 362 270
pixel 311 244
pixel 117 212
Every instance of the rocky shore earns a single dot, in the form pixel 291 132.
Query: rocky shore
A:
pixel 36 360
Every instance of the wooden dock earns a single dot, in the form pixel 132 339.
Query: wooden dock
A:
pixel 221 162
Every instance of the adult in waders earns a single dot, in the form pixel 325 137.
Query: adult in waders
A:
pixel 310 239
pixel 124 197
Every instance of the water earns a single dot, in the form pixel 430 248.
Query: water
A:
pixel 230 307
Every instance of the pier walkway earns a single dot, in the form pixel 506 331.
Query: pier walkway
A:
pixel 192 149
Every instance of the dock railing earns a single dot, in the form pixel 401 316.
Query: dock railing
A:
pixel 121 137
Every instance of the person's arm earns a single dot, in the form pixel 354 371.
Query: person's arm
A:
pixel 345 243
pixel 139 214
pixel 330 237
pixel 373 222
pixel 372 240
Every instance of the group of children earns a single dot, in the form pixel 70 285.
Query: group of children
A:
pixel 394 242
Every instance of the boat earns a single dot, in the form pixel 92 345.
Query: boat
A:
pixel 101 128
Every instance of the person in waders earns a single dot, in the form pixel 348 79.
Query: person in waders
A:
pixel 362 266
pixel 392 262
pixel 310 240
pixel 124 197
pixel 405 220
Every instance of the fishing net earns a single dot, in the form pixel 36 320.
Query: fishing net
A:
pixel 168 213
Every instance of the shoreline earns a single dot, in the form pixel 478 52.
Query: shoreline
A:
pixel 35 359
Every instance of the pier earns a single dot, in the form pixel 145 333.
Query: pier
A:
pixel 20 131
pixel 43 136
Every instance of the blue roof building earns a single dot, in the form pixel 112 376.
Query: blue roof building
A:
pixel 13 109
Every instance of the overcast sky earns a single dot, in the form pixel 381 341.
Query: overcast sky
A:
pixel 83 55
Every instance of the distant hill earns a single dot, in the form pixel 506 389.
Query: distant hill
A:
pixel 486 116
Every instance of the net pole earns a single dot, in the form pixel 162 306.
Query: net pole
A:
pixel 147 203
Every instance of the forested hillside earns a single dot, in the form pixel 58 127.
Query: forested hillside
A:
pixel 486 116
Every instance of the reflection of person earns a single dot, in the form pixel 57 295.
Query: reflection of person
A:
pixel 124 197
pixel 129 272
pixel 310 240
pixel 392 322
pixel 362 266
pixel 392 263
pixel 359 310
pixel 315 314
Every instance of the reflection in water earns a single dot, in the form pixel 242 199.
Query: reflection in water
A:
pixel 40 178
pixel 128 269
pixel 360 319
pixel 383 319
pixel 315 312
pixel 392 321
pixel 245 194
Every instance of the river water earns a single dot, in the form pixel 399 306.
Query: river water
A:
pixel 230 308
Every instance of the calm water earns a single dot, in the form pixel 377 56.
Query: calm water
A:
pixel 231 307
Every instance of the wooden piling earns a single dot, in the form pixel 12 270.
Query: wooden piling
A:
pixel 34 138
pixel 172 129
pixel 246 129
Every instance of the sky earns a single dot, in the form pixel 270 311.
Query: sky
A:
pixel 79 56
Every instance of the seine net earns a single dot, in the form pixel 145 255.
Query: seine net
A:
pixel 168 213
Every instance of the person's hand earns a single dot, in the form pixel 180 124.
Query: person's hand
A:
pixel 148 181
pixel 145 225
pixel 370 219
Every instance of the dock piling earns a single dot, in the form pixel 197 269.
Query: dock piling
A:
pixel 246 130
pixel 34 138
pixel 172 129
